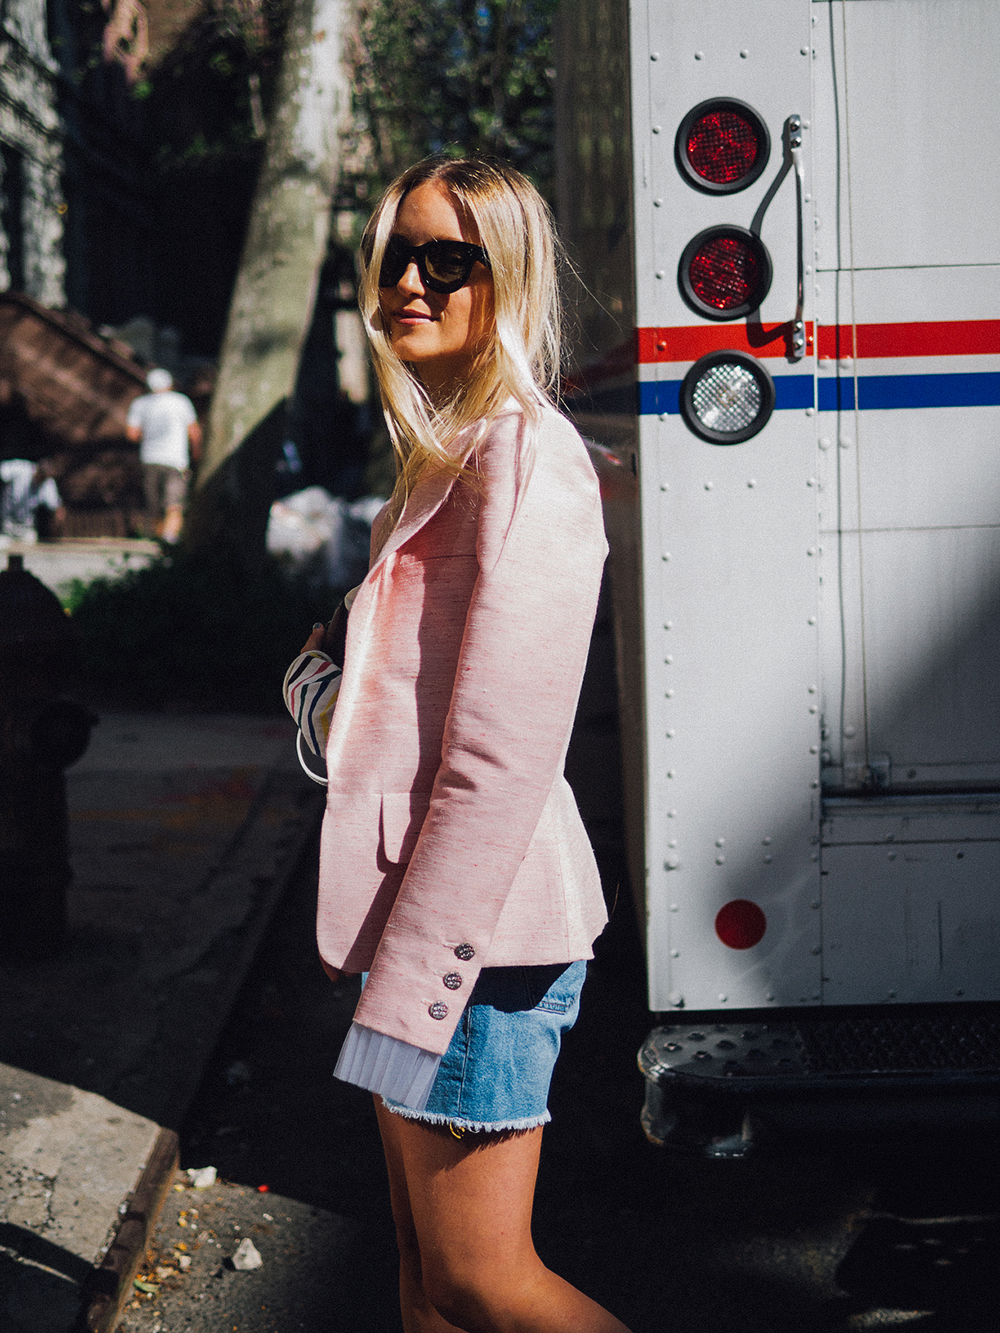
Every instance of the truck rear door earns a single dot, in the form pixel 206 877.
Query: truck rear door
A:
pixel 907 298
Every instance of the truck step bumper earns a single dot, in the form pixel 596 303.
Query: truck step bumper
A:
pixel 727 1089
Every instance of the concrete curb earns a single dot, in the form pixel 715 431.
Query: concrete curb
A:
pixel 111 1285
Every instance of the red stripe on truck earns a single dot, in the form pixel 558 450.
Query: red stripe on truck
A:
pixel 689 342
pixel 955 337
pixel 952 337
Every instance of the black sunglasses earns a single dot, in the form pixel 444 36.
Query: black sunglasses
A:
pixel 444 266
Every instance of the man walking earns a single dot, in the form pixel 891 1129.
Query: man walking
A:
pixel 164 425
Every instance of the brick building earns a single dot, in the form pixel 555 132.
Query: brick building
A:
pixel 130 135
pixel 32 136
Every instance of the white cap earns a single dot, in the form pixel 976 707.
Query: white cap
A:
pixel 160 379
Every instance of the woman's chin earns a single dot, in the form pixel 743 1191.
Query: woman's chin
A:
pixel 414 346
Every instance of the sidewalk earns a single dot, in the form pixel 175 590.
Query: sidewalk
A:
pixel 58 563
pixel 183 832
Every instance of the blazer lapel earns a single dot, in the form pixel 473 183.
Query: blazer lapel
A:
pixel 430 494
pixel 421 506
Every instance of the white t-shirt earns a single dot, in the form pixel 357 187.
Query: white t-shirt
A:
pixel 163 419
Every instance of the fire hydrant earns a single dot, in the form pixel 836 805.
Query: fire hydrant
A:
pixel 41 733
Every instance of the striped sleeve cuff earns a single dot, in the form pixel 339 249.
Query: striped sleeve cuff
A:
pixel 392 1068
pixel 311 689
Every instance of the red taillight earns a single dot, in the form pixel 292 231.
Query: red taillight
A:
pixel 722 146
pixel 740 924
pixel 725 272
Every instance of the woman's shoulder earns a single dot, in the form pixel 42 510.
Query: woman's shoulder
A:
pixel 551 442
pixel 537 482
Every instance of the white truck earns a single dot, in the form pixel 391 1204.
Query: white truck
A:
pixel 787 217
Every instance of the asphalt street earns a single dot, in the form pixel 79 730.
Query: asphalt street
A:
pixel 816 1242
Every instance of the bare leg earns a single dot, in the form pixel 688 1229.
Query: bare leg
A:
pixel 419 1315
pixel 173 521
pixel 154 506
pixel 463 1216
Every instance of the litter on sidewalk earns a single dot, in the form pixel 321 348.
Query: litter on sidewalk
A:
pixel 247 1256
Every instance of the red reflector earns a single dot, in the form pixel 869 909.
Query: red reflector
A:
pixel 722 147
pixel 725 272
pixel 740 924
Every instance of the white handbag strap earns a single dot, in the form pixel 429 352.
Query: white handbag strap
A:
pixel 305 767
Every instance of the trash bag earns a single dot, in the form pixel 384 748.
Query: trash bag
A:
pixel 323 537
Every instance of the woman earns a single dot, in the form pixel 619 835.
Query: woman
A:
pixel 454 867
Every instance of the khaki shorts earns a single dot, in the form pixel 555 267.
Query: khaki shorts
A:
pixel 165 487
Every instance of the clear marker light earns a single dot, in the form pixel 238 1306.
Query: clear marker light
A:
pixel 727 397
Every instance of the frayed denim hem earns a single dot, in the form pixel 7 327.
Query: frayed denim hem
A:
pixel 472 1126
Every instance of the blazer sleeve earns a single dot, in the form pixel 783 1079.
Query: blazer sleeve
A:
pixel 540 550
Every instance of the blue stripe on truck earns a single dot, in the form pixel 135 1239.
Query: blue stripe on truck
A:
pixel 881 392
pixel 657 396
pixel 876 392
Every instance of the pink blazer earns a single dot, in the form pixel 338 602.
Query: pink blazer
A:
pixel 451 839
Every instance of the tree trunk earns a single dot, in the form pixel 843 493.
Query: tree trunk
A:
pixel 273 297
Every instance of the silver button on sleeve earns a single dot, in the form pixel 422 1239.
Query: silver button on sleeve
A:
pixel 453 980
pixel 438 1010
pixel 465 952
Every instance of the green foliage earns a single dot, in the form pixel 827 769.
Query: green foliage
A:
pixel 187 632
pixel 454 76
pixel 210 95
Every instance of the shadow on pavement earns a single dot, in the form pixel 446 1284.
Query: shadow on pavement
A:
pixel 948 1266
pixel 40 1283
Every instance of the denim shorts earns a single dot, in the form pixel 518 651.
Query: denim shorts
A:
pixel 496 1072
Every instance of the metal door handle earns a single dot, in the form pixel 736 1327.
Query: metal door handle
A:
pixel 791 142
pixel 793 139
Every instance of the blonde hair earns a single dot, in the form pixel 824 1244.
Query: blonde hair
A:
pixel 520 357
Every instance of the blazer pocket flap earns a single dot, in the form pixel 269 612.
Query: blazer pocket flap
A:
pixel 403 814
